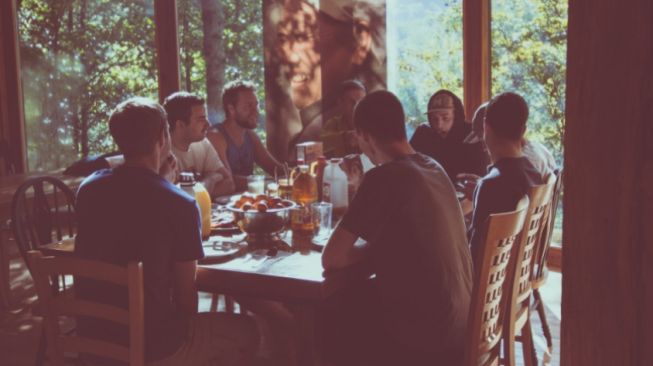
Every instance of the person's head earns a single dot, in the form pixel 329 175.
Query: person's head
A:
pixel 477 134
pixel 379 121
pixel 443 110
pixel 505 120
pixel 350 93
pixel 186 116
pixel 139 127
pixel 240 103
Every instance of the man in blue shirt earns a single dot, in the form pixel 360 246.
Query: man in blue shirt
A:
pixel 131 213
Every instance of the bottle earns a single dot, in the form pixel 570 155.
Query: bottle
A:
pixel 334 187
pixel 304 193
pixel 196 190
pixel 320 164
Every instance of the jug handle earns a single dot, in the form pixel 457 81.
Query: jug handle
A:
pixel 293 174
pixel 313 168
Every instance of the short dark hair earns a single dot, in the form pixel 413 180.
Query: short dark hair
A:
pixel 507 114
pixel 381 115
pixel 232 90
pixel 136 124
pixel 178 106
pixel 353 84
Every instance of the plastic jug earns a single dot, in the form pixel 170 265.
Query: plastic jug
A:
pixel 195 189
pixel 334 187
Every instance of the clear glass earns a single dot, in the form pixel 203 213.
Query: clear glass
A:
pixel 425 52
pixel 256 184
pixel 79 59
pixel 322 213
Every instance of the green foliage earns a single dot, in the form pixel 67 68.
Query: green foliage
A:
pixel 529 51
pixel 79 58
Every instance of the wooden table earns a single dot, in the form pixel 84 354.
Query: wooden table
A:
pixel 296 279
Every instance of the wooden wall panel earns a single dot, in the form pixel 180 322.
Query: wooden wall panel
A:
pixel 476 54
pixel 167 46
pixel 607 295
pixel 12 134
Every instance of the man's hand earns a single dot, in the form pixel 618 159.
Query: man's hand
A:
pixel 466 183
pixel 168 169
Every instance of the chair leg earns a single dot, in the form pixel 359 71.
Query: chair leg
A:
pixel 42 348
pixel 509 349
pixel 539 305
pixel 530 358
pixel 229 304
pixel 214 302
pixel 5 281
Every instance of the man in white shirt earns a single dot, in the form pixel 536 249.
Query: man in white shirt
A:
pixel 194 153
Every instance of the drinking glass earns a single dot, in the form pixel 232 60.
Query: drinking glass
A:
pixel 256 184
pixel 321 213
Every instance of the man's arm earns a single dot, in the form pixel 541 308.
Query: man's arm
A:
pixel 184 287
pixel 217 178
pixel 342 251
pixel 262 156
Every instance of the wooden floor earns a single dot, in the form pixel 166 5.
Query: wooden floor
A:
pixel 20 331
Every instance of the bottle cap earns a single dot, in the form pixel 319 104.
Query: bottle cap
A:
pixel 186 179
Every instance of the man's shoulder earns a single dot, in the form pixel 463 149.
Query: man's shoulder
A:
pixel 200 146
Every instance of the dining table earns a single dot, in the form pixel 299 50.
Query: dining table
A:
pixel 293 278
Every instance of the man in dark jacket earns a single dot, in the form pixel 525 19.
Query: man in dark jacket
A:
pixel 442 137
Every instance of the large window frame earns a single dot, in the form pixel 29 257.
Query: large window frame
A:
pixel 476 68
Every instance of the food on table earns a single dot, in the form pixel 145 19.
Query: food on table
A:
pixel 260 203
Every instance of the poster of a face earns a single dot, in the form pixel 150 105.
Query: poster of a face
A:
pixel 311 47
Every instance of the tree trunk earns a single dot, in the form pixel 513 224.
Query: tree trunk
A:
pixel 214 56
pixel 84 103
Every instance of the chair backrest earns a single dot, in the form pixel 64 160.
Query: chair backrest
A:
pixel 487 306
pixel 542 250
pixel 55 305
pixel 520 270
pixel 42 212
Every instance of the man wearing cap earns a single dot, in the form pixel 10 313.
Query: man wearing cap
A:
pixel 442 137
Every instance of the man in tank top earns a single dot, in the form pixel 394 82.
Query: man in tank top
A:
pixel 235 140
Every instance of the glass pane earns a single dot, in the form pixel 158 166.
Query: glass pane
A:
pixel 425 52
pixel 529 52
pixel 235 50
pixel 79 59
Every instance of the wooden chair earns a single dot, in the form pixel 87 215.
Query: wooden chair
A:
pixel 518 286
pixel 42 212
pixel 56 305
pixel 485 322
pixel 540 270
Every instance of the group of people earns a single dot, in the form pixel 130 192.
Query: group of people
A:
pixel 406 209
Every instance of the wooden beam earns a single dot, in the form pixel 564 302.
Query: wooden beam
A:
pixel 476 54
pixel 12 118
pixel 167 46
pixel 607 286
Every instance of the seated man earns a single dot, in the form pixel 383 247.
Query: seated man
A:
pixel 442 138
pixel 131 213
pixel 511 174
pixel 235 140
pixel 194 153
pixel 535 152
pixel 338 135
pixel 407 212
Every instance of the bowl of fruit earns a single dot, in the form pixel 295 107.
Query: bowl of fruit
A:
pixel 260 215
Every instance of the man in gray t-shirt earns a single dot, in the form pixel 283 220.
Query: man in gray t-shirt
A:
pixel 407 212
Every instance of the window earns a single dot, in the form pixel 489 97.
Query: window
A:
pixel 79 59
pixel 529 53
pixel 235 49
pixel 425 52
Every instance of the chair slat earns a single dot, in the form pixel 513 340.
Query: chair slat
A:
pixel 85 268
pixel 65 305
pixel 94 347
